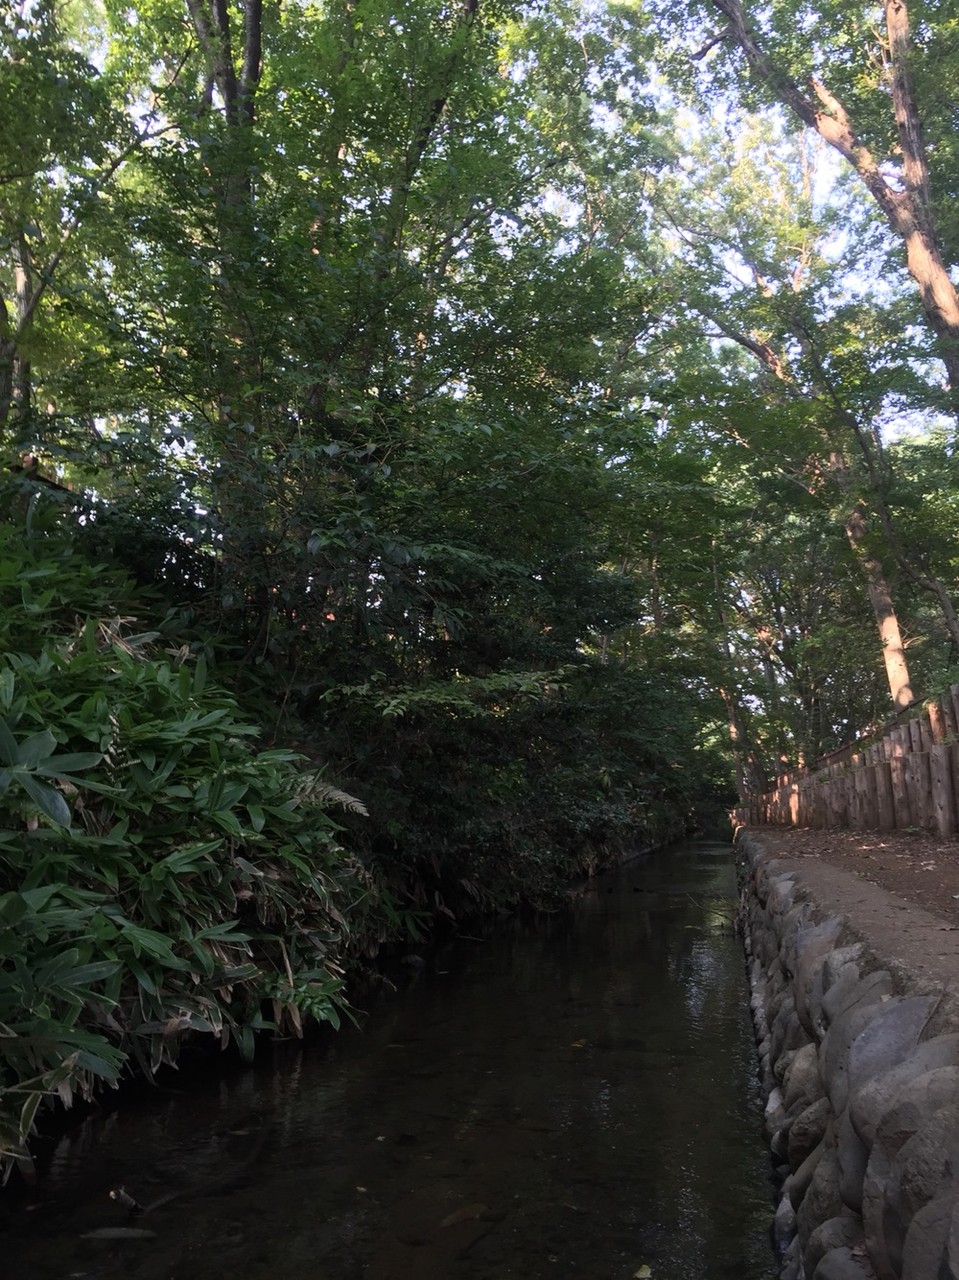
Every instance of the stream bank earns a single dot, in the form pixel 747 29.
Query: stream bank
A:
pixel 856 1006
pixel 575 1098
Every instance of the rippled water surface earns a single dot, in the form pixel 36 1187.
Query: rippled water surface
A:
pixel 573 1099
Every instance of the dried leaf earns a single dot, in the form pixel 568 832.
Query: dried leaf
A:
pixel 467 1214
pixel 119 1233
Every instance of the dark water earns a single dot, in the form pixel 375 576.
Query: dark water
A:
pixel 577 1099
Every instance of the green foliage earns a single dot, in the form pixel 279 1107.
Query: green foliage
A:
pixel 159 875
pixel 467 405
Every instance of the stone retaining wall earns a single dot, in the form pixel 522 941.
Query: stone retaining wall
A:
pixel 861 1069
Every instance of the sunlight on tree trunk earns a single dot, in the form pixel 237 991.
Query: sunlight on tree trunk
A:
pixel 880 597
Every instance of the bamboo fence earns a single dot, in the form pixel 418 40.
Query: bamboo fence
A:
pixel 906 776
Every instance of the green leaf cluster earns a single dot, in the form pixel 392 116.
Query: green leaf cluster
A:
pixel 159 873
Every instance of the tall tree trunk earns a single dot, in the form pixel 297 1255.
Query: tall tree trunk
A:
pixel 431 114
pixel 15 322
pixel 927 581
pixel 8 355
pixel 879 472
pixel 878 589
pixel 880 597
pixel 751 779
pixel 865 442
pixel 427 113
pixel 234 66
pixel 31 280
pixel 655 589
pixel 23 288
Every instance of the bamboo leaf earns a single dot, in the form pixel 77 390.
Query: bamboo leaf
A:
pixel 39 746
pixel 8 745
pixel 48 801
pixel 69 762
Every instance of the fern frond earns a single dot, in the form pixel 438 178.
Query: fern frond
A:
pixel 321 792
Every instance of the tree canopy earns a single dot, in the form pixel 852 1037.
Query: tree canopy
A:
pixel 445 446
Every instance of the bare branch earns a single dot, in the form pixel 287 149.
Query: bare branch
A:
pixel 717 39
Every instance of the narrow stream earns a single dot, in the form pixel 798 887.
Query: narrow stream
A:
pixel 575 1099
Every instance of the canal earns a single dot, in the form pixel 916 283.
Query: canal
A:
pixel 577 1098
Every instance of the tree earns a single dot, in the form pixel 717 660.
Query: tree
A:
pixel 760 278
pixel 887 150
pixel 60 155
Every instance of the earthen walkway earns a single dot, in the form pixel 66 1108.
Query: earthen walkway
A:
pixel 899 892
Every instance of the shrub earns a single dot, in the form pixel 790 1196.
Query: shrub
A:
pixel 159 874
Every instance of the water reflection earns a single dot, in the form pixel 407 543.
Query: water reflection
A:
pixel 575 1100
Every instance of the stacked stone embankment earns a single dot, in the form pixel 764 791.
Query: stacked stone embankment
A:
pixel 860 1061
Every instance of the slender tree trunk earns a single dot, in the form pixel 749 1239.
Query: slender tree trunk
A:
pixel 751 779
pixel 427 114
pixel 23 288
pixel 912 215
pixel 878 590
pixel 880 597
pixel 655 591
pixel 8 353
pixel 234 66
pixel 15 372
pixel 927 581
pixel 878 472
pixel 865 442
pixel 432 112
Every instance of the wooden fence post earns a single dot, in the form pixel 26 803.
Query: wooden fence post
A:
pixel 842 797
pixel 900 792
pixel 953 696
pixel 950 725
pixel 885 805
pixel 937 722
pixel 943 793
pixel 865 786
pixel 919 781
pixel 907 778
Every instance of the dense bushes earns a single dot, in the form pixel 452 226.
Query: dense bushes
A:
pixel 158 873
pixel 163 873
pixel 505 797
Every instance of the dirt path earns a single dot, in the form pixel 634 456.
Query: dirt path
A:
pixel 900 892
pixel 922 869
